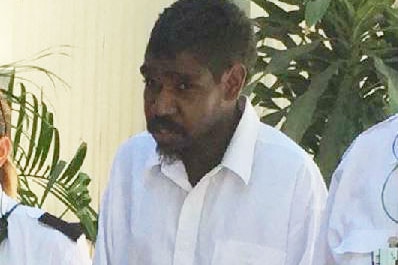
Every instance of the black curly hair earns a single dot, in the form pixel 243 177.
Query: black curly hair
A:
pixel 216 32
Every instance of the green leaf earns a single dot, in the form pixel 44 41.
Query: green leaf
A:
pixel 89 219
pixel 282 59
pixel 266 93
pixel 42 141
pixel 268 51
pixel 268 103
pixel 247 90
pixel 288 20
pixel 392 78
pixel 273 118
pixel 339 131
pixel 79 184
pixel 45 144
pixel 32 138
pixel 296 82
pixel 27 196
pixel 75 163
pixel 299 118
pixel 11 82
pixel 293 2
pixel 56 149
pixel 21 117
pixel 272 9
pixel 52 179
pixel 315 10
pixel 277 33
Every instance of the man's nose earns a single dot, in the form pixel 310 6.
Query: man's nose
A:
pixel 165 103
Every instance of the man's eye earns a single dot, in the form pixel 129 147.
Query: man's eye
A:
pixel 182 86
pixel 150 83
pixel 147 81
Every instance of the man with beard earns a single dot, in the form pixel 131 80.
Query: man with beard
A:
pixel 209 183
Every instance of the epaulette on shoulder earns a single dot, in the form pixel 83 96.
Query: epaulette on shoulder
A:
pixel 72 230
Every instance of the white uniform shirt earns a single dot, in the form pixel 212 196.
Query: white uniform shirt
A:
pixel 261 205
pixel 32 243
pixel 355 223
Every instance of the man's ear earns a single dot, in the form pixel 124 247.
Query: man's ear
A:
pixel 234 80
pixel 5 149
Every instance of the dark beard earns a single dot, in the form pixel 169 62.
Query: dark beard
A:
pixel 167 156
pixel 172 151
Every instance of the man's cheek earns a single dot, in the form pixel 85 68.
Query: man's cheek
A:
pixel 148 112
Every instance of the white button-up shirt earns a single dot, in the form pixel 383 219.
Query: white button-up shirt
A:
pixel 356 224
pixel 32 243
pixel 261 205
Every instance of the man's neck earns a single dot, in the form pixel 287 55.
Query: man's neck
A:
pixel 208 152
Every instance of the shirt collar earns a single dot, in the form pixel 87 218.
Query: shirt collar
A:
pixel 154 158
pixel 240 151
pixel 6 202
pixel 239 154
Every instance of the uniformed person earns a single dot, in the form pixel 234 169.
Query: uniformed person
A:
pixel 361 222
pixel 29 236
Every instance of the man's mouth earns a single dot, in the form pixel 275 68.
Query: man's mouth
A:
pixel 166 131
pixel 165 135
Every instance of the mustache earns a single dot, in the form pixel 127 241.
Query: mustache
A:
pixel 158 123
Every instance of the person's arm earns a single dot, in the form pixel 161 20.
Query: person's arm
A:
pixel 114 239
pixel 79 253
pixel 307 207
pixel 323 256
pixel 101 255
pixel 112 210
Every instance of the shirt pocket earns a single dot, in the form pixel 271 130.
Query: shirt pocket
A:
pixel 363 241
pixel 242 253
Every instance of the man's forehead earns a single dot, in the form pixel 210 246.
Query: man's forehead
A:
pixel 183 63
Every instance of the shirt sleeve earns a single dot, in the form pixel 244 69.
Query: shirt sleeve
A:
pixel 114 220
pixel 307 208
pixel 323 254
pixel 111 203
pixel 61 250
pixel 79 254
pixel 340 241
pixel 102 255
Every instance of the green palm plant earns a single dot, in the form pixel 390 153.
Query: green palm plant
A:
pixel 36 150
pixel 335 75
